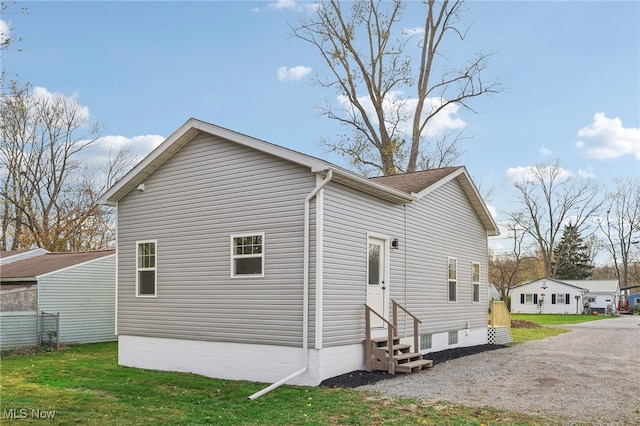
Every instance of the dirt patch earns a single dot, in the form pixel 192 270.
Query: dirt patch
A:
pixel 524 324
pixel 362 377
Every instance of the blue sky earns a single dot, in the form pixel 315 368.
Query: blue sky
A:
pixel 143 68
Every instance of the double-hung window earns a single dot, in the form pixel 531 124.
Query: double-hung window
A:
pixel 475 274
pixel 560 299
pixel 453 280
pixel 247 255
pixel 146 265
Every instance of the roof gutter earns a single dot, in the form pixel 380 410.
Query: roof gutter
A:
pixel 305 296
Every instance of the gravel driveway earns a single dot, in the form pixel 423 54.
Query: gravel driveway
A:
pixel 590 375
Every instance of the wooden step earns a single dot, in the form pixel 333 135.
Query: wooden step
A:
pixel 378 341
pixel 413 366
pixel 407 356
pixel 397 347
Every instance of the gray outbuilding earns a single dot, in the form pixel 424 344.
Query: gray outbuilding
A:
pixel 79 286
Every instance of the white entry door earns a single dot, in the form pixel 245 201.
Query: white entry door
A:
pixel 377 286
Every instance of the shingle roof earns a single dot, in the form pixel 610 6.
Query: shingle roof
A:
pixel 416 181
pixel 39 265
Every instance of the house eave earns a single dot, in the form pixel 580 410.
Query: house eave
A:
pixel 365 185
pixel 192 127
pixel 181 137
pixel 462 176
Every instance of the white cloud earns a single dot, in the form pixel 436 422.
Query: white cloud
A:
pixel 605 138
pixel 586 174
pixel 527 174
pixel 285 5
pixel 5 32
pixel 97 155
pixel 410 32
pixel 493 210
pixel 293 73
pixel 139 146
pixel 44 94
pixel 545 151
pixel 440 124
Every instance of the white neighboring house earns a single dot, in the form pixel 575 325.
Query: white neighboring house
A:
pixel 78 286
pixel 601 294
pixel 552 296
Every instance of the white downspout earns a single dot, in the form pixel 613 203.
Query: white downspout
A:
pixel 305 296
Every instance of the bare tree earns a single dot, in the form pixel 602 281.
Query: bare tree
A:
pixel 386 102
pixel 45 201
pixel 621 226
pixel 507 270
pixel 549 198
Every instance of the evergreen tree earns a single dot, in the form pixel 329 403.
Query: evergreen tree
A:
pixel 571 256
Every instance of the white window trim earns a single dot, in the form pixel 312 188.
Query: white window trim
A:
pixel 154 269
pixel 449 280
pixel 475 283
pixel 233 255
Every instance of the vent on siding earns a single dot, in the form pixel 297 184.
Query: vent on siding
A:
pixel 453 337
pixel 425 341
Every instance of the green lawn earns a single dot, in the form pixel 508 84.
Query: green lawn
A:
pixel 558 319
pixel 521 335
pixel 84 385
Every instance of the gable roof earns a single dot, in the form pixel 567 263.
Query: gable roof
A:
pixel 396 189
pixel 591 286
pixel 422 183
pixel 525 284
pixel 34 267
pixel 193 127
pixel 416 181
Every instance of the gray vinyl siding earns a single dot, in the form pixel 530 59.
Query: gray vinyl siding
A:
pixel 348 216
pixel 84 296
pixel 440 225
pixel 207 191
pixel 443 224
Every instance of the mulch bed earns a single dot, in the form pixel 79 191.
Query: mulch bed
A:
pixel 362 377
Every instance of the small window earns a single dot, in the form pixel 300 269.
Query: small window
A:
pixel 453 337
pixel 247 255
pixel 425 341
pixel 476 282
pixel 146 268
pixel 453 280
pixel 560 299
pixel 529 299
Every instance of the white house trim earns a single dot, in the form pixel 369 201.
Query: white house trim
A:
pixel 319 265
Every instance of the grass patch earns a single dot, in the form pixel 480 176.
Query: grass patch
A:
pixel 521 335
pixel 84 385
pixel 557 319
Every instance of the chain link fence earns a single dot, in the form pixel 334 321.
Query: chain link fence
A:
pixel 28 329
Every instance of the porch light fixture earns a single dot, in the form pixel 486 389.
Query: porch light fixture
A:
pixel 395 243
